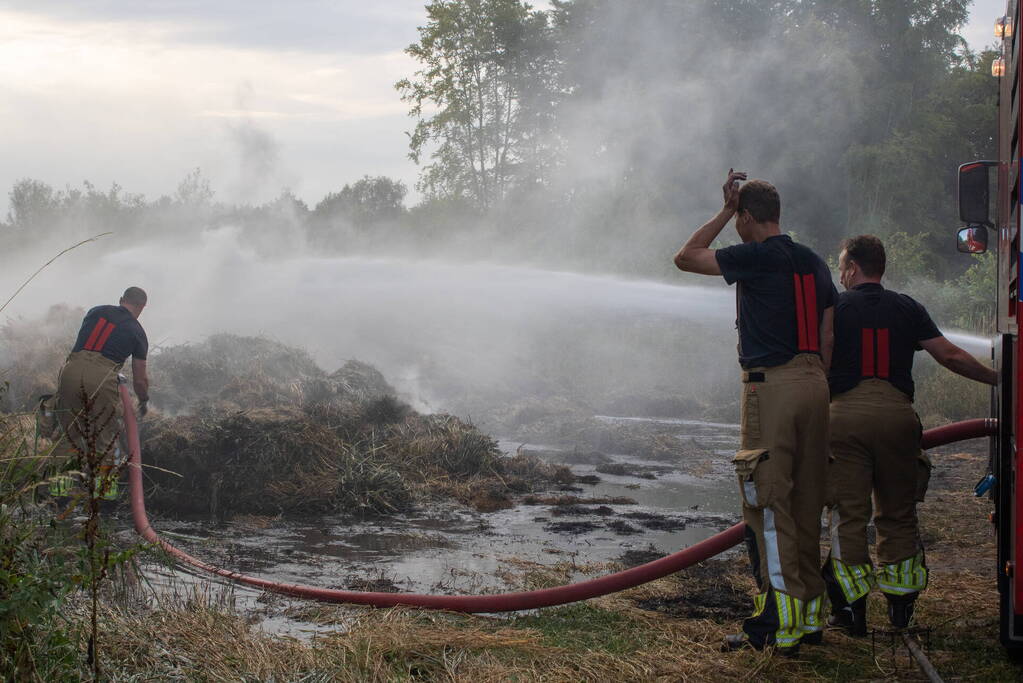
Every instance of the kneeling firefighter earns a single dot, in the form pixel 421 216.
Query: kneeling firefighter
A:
pixel 108 336
pixel 875 438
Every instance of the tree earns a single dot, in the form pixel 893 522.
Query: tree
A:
pixel 906 182
pixel 194 190
pixel 483 98
pixel 34 205
pixel 366 202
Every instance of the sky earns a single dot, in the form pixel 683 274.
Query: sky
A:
pixel 259 95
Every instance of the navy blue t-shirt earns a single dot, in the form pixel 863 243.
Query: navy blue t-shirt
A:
pixel 895 325
pixel 114 332
pixel 774 325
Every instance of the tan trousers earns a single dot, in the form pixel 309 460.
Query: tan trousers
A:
pixel 97 376
pixel 875 440
pixel 786 416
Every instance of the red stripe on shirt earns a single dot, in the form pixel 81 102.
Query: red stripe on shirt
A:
pixel 103 337
pixel 810 295
pixel 882 353
pixel 95 334
pixel 800 312
pixel 867 353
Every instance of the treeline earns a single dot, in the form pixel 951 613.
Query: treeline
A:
pixel 595 135
pixel 613 122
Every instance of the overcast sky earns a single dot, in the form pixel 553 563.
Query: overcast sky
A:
pixel 260 95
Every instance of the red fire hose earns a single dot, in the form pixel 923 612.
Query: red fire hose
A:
pixel 502 602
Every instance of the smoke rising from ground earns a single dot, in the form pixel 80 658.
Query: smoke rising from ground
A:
pixel 473 312
pixel 470 338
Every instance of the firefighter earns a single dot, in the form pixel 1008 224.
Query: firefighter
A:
pixel 108 336
pixel 875 438
pixel 785 300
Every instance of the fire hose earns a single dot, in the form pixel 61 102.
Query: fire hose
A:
pixel 501 602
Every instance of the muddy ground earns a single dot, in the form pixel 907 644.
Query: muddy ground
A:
pixel 668 630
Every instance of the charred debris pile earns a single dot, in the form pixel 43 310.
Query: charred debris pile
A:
pixel 260 428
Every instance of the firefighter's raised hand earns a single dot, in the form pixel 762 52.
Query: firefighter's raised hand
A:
pixel 731 189
pixel 143 408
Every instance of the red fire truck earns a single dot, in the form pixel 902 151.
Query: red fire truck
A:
pixel 989 199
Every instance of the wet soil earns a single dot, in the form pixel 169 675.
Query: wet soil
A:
pixel 565 501
pixel 625 470
pixel 578 510
pixel 703 595
pixel 623 528
pixel 378 585
pixel 453 549
pixel 581 527
pixel 652 520
pixel 570 457
pixel 636 557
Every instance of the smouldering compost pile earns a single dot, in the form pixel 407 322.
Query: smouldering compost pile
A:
pixel 262 429
pixel 250 425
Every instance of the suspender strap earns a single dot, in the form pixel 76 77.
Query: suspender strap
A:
pixel 94 335
pixel 810 297
pixel 882 353
pixel 875 342
pixel 99 335
pixel 804 286
pixel 801 334
pixel 867 352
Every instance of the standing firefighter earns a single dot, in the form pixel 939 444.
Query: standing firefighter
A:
pixel 875 438
pixel 785 301
pixel 109 334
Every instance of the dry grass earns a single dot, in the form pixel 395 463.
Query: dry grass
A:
pixel 668 630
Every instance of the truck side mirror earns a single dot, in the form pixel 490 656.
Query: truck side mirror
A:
pixel 972 239
pixel 975 193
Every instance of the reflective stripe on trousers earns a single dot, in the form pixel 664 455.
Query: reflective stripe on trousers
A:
pixel 790 624
pixel 813 615
pixel 903 578
pixel 771 550
pixel 855 580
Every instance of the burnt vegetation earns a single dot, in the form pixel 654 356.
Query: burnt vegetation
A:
pixel 250 425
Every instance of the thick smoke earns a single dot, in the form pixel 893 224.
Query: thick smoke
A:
pixel 477 328
pixel 477 339
pixel 259 168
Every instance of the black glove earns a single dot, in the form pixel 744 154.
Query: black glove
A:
pixel 143 407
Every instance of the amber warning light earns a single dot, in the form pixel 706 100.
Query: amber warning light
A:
pixel 1003 28
pixel 998 67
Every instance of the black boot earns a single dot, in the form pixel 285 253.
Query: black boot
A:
pixel 815 638
pixel 900 609
pixel 851 617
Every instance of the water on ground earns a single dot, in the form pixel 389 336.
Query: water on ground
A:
pixel 642 505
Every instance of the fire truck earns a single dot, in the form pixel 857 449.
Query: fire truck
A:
pixel 989 200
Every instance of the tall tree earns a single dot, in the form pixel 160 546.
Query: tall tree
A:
pixel 482 99
pixel 366 202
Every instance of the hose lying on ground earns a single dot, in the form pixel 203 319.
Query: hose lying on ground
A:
pixel 502 602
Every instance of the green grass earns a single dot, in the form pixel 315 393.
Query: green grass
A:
pixel 583 627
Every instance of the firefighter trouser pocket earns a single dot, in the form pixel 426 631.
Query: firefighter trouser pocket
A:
pixel 754 475
pixel 923 475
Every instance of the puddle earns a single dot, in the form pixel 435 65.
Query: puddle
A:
pixel 450 549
